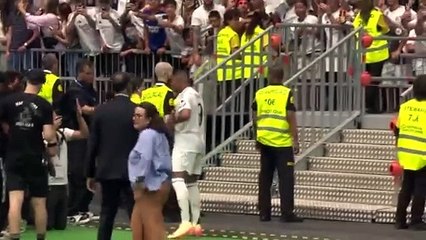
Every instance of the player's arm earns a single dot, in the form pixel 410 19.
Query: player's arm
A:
pixel 292 120
pixel 169 106
pixel 49 132
pixel 183 113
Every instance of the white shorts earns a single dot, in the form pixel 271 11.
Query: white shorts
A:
pixel 184 161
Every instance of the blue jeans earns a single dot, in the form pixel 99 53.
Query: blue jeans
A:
pixel 19 61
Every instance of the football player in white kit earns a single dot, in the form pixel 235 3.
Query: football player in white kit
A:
pixel 188 151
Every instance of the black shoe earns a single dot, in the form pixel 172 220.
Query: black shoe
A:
pixel 400 226
pixel 291 219
pixel 264 218
pixel 421 226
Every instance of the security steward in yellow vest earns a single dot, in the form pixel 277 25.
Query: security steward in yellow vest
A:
pixel 163 98
pixel 274 121
pixel 52 89
pixel 254 55
pixel 228 41
pixel 374 24
pixel 160 95
pixel 411 147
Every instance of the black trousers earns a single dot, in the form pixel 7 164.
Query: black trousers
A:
pixel 4 207
pixel 79 196
pixel 372 93
pixel 57 206
pixel 282 160
pixel 413 188
pixel 113 191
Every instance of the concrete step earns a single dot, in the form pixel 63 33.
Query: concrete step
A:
pixel 358 196
pixel 249 146
pixel 349 165
pixel 367 136
pixel 360 151
pixel 306 178
pixel 239 160
pixel 240 204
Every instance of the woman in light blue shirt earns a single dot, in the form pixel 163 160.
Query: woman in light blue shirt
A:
pixel 150 167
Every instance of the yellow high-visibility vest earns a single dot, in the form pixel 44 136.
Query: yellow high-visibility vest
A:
pixel 136 98
pixel 156 95
pixel 371 28
pixel 272 127
pixel 252 54
pixel 412 135
pixel 232 69
pixel 49 86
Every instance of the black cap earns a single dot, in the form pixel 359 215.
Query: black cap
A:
pixel 35 76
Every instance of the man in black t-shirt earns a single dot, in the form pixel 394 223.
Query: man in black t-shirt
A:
pixel 28 118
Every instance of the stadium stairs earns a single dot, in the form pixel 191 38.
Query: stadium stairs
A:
pixel 350 182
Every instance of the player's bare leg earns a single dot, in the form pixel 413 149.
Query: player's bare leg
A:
pixel 16 198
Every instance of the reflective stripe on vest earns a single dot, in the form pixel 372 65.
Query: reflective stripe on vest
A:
pixel 382 52
pixel 156 95
pixel 412 135
pixel 272 128
pixel 253 53
pixel 46 90
pixel 223 51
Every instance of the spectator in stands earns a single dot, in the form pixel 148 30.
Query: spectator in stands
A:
pixel 112 40
pixel 66 41
pixel 174 25
pixel 155 35
pixel 48 21
pixel 21 40
pixel 82 23
pixel 244 7
pixel 200 22
pixel 133 27
pixel 374 59
pixel 411 158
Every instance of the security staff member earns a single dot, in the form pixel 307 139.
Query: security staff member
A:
pixel 374 24
pixel 162 97
pixel 52 90
pixel 274 121
pixel 411 145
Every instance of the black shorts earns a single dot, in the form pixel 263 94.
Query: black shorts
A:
pixel 27 174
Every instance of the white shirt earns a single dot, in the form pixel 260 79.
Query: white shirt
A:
pixel 176 41
pixel 189 135
pixel 395 15
pixel 88 36
pixel 60 161
pixel 334 35
pixel 309 40
pixel 137 23
pixel 112 38
pixel 200 16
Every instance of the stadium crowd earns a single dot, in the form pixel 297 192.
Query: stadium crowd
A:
pixel 86 39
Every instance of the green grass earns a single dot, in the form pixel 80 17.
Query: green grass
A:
pixel 80 233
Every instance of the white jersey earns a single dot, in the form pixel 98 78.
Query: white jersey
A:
pixel 189 135
pixel 60 161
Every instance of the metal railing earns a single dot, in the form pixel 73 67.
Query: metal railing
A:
pixel 393 86
pixel 326 94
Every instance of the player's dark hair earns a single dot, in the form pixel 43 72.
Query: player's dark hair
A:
pixel 120 82
pixel 35 77
pixel 157 123
pixel 82 63
pixel 214 14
